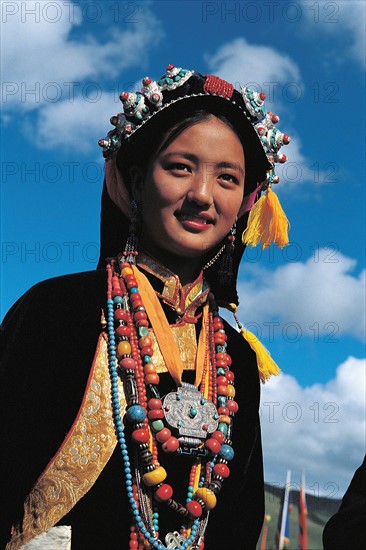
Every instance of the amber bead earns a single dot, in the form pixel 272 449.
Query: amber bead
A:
pixel 207 496
pixel 231 391
pixel 124 348
pixel 126 271
pixel 154 477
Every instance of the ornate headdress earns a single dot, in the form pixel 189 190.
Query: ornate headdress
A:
pixel 177 93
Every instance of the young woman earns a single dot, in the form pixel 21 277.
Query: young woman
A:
pixel 140 429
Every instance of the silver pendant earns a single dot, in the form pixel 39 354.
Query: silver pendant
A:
pixel 174 540
pixel 187 411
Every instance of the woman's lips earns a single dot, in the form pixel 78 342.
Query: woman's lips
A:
pixel 195 221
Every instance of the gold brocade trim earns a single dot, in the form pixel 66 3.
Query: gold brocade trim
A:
pixel 81 458
pixel 185 337
pixel 185 300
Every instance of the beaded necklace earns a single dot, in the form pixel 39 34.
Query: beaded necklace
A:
pixel 190 421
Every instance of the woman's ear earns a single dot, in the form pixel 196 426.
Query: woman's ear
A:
pixel 137 181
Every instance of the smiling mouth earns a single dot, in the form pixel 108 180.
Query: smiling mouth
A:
pixel 195 218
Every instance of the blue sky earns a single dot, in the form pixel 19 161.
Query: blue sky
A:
pixel 61 79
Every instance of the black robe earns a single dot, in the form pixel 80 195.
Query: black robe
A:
pixel 48 344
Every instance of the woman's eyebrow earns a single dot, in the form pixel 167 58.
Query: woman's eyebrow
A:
pixel 194 158
pixel 232 165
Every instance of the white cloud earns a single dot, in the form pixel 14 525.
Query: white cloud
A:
pixel 320 294
pixel 77 125
pixel 252 64
pixel 278 76
pixel 344 19
pixel 320 428
pixel 48 60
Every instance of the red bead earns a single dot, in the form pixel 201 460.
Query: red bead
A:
pixel 121 314
pixel 222 381
pixel 213 445
pixel 144 341
pixel 171 445
pixel 163 493
pixel 142 322
pixel 146 81
pixel 123 97
pixel 219 436
pixel 134 297
pixel 262 96
pixel 131 283
pixel 156 414
pixel 194 508
pixel 222 356
pixel 230 375
pixel 128 363
pixel 163 435
pixel 223 410
pixel 170 67
pixel 139 315
pixel 123 330
pixel 147 350
pixel 152 378
pixel 154 403
pixel 140 436
pixel 221 470
pixel 222 390
pixel 232 405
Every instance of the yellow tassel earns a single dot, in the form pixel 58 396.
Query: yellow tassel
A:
pixel 266 365
pixel 267 222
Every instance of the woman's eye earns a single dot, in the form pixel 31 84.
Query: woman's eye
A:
pixel 179 167
pixel 229 178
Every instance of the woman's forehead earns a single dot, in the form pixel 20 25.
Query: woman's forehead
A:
pixel 207 138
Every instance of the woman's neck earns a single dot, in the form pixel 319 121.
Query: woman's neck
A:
pixel 187 269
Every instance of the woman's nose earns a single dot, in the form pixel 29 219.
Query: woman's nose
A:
pixel 201 190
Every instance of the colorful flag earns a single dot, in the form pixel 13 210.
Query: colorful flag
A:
pixel 303 512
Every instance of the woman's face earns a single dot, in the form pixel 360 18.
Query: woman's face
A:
pixel 192 191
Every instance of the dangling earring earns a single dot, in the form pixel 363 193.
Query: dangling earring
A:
pixel 130 252
pixel 225 272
